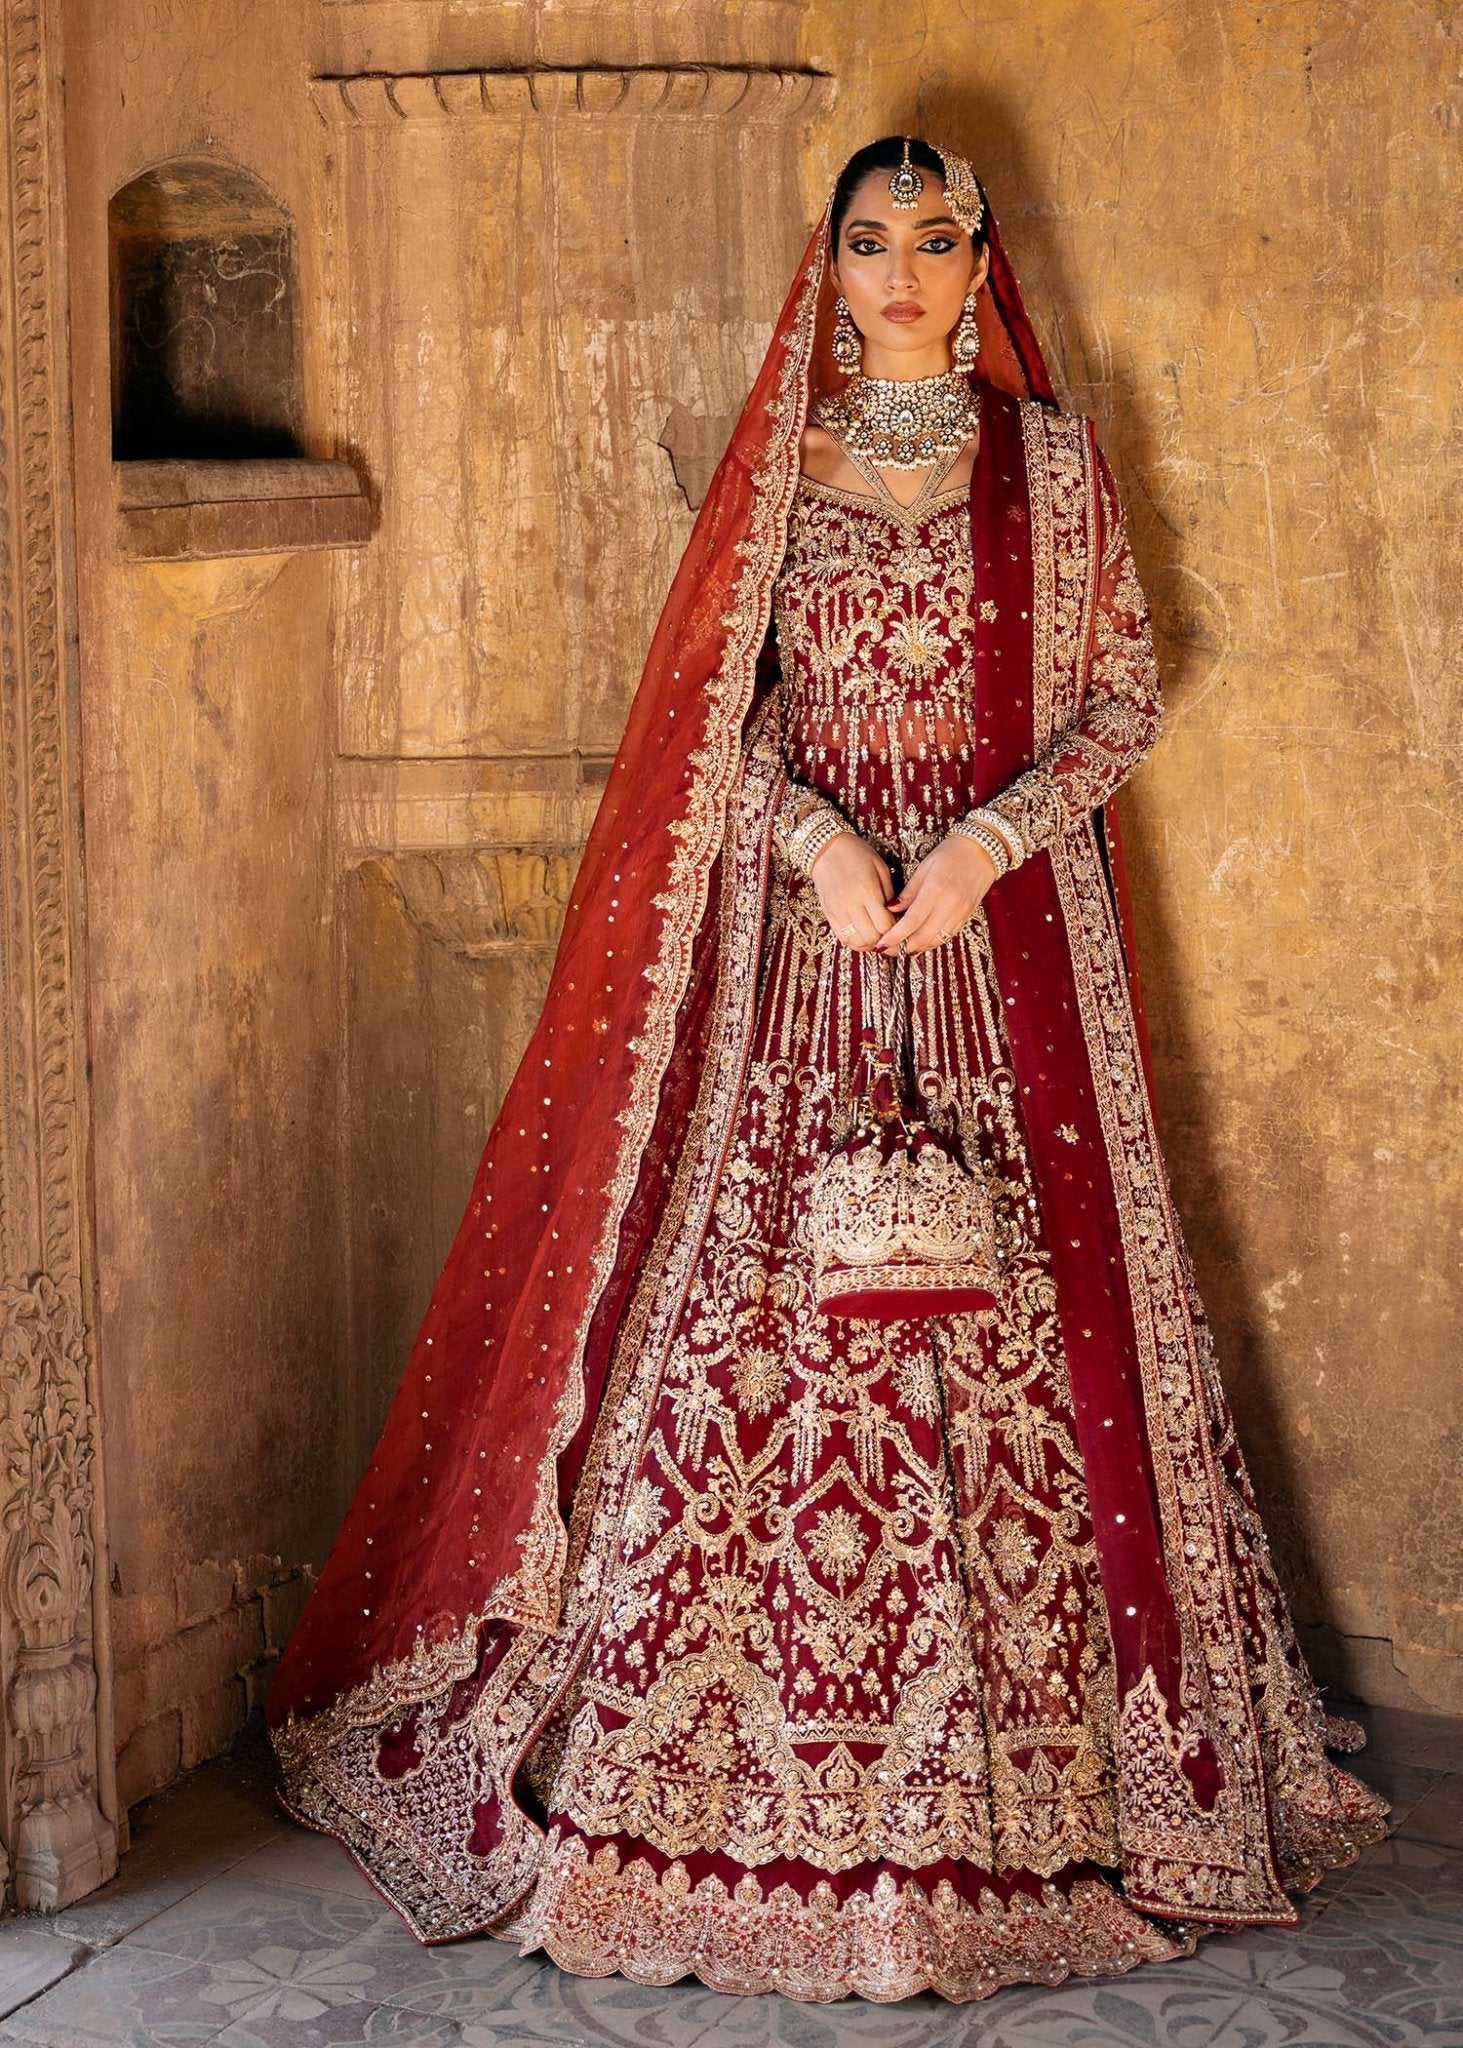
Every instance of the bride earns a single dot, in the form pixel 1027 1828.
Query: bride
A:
pixel 690 1619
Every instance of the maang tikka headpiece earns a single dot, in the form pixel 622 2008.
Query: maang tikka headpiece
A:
pixel 962 188
pixel 906 184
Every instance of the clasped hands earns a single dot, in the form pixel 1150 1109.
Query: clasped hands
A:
pixel 940 893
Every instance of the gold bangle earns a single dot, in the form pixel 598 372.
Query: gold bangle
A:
pixel 1008 835
pixel 809 839
pixel 990 830
pixel 994 849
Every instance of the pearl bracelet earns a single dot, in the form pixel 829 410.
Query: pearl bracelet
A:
pixel 806 841
pixel 994 836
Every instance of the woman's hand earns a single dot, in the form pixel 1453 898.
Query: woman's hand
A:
pixel 854 886
pixel 940 894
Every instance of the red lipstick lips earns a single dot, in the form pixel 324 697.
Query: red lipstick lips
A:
pixel 900 309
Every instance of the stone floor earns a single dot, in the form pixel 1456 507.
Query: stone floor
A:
pixel 230 1925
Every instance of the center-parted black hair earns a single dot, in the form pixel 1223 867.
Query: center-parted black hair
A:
pixel 887 154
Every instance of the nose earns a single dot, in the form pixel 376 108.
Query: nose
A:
pixel 899 276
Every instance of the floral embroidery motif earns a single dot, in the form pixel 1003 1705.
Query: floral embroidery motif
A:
pixel 873 609
pixel 594 1912
pixel 941 1618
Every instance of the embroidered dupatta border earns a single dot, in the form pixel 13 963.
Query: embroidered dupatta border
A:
pixel 333 1781
pixel 703 831
pixel 1217 1862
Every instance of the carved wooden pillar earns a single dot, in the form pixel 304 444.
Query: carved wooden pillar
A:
pixel 56 1840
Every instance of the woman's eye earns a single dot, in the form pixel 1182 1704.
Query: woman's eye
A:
pixel 933 245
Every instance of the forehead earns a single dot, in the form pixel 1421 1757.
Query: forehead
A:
pixel 870 200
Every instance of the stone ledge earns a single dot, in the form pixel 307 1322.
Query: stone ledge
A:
pixel 543 803
pixel 750 92
pixel 182 511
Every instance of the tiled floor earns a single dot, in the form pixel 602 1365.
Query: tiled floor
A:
pixel 229 1925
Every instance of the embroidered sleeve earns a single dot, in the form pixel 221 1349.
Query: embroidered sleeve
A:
pixel 1121 716
pixel 806 820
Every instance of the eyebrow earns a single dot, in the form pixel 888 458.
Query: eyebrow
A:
pixel 936 220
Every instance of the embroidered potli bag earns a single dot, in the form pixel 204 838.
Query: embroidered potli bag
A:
pixel 898 1225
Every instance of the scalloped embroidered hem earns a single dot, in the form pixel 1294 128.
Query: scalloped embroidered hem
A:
pixel 593 1916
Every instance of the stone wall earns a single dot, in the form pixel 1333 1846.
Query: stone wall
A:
pixel 198 1659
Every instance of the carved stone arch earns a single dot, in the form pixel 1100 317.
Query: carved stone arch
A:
pixel 58 1836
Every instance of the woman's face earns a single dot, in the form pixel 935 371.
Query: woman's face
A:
pixel 904 274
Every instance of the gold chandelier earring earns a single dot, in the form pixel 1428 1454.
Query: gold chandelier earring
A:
pixel 965 346
pixel 847 341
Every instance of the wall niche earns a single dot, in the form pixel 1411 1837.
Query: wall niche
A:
pixel 203 317
pixel 207 399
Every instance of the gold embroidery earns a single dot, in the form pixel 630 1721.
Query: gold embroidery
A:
pixel 1102 704
pixel 855 1610
pixel 1158 1803
pixel 873 611
pixel 987 1545
pixel 902 515
pixel 594 1916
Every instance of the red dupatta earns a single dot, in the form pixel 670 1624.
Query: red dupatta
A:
pixel 458 1536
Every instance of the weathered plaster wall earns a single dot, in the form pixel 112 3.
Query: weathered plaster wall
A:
pixel 1237 229
pixel 206 723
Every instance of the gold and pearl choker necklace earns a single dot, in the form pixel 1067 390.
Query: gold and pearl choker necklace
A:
pixel 902 422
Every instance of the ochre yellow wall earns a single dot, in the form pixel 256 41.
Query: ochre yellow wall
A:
pixel 205 725
pixel 1236 228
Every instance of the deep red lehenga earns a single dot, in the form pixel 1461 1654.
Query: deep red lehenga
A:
pixel 831 1656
